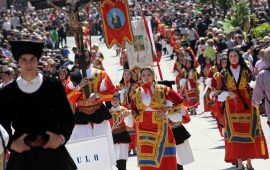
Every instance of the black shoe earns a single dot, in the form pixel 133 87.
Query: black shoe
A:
pixel 121 164
pixel 134 152
pixel 243 167
pixel 180 167
pixel 249 168
pixel 235 164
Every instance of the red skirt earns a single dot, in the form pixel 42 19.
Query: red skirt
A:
pixel 156 143
pixel 167 163
pixel 244 151
pixel 244 138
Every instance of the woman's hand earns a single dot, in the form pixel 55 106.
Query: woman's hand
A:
pixel 162 114
pixel 126 113
pixel 232 95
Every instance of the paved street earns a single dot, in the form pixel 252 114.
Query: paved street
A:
pixel 206 142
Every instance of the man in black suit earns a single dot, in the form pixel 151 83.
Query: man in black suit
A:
pixel 37 108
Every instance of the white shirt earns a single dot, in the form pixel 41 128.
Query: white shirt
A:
pixel 260 65
pixel 146 98
pixel 32 86
pixel 7 26
pixel 115 109
pixel 201 49
pixel 89 72
pixel 15 22
pixel 184 31
pixel 236 73
pixel 192 34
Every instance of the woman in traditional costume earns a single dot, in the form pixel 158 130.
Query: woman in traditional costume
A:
pixel 127 87
pixel 216 86
pixel 179 63
pixel 244 139
pixel 190 90
pixel 207 73
pixel 156 143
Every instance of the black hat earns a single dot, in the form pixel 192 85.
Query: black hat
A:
pixel 76 78
pixel 167 83
pixel 18 48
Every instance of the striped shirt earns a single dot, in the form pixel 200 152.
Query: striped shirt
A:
pixel 262 90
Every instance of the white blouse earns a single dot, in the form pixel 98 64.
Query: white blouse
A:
pixel 30 86
pixel 236 73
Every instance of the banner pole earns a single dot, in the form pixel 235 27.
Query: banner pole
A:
pixel 89 22
pixel 153 53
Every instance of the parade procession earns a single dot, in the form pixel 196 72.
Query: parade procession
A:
pixel 134 84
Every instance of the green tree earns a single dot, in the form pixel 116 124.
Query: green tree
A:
pixel 241 13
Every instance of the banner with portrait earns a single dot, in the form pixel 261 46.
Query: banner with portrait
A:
pixel 140 53
pixel 116 22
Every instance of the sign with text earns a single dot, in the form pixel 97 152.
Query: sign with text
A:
pixel 91 154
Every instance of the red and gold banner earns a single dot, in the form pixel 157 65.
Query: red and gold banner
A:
pixel 116 22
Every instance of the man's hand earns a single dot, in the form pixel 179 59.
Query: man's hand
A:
pixel 19 146
pixel 84 82
pixel 54 142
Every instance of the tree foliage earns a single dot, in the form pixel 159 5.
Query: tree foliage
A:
pixel 241 13
pixel 261 31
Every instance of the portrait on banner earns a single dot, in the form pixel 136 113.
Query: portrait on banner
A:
pixel 116 18
pixel 140 53
pixel 139 43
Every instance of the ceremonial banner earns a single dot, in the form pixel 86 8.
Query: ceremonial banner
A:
pixel 116 22
pixel 91 154
pixel 140 53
